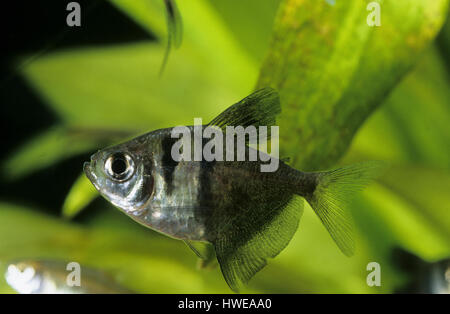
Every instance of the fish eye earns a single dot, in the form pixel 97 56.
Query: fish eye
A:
pixel 119 167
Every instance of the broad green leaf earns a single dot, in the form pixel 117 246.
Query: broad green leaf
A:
pixel 251 22
pixel 117 87
pixel 412 126
pixel 332 69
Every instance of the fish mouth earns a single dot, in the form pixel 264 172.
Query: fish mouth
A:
pixel 88 172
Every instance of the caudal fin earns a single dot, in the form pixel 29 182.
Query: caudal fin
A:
pixel 333 192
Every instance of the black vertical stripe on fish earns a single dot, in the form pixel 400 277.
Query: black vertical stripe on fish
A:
pixel 168 163
pixel 205 194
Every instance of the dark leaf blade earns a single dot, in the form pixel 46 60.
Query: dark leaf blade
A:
pixel 174 31
pixel 175 23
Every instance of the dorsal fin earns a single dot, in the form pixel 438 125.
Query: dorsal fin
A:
pixel 257 109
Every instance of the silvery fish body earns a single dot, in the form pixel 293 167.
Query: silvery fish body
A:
pixel 246 214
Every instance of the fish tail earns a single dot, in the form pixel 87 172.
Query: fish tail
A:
pixel 334 189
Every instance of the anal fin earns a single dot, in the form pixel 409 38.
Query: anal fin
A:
pixel 240 260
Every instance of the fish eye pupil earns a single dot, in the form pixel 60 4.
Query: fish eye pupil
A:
pixel 119 165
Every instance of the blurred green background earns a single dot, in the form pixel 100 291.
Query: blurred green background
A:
pixel 349 93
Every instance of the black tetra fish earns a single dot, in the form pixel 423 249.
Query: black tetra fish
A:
pixel 247 215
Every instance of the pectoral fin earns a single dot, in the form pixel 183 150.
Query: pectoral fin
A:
pixel 203 250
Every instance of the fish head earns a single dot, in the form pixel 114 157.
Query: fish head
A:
pixel 123 175
pixel 24 277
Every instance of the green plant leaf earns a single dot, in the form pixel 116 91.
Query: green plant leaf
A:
pixel 118 88
pixel 412 126
pixel 45 149
pixel 56 144
pixel 333 70
pixel 251 22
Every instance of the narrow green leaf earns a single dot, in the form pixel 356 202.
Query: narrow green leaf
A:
pixel 45 149
pixel 81 194
pixel 56 144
